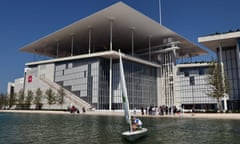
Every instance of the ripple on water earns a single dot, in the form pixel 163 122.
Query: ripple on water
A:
pixel 69 129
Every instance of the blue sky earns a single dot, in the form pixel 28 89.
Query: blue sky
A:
pixel 24 21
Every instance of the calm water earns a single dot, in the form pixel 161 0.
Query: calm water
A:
pixel 83 129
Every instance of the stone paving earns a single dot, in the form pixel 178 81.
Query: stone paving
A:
pixel 121 113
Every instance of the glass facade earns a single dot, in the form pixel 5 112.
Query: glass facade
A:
pixel 141 84
pixel 229 57
pixel 103 93
pixel 89 80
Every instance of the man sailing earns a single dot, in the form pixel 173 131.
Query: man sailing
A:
pixel 136 123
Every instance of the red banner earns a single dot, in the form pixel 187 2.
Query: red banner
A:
pixel 29 78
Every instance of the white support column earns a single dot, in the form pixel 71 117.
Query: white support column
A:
pixel 111 23
pixel 89 39
pixel 165 79
pixel 173 75
pixel 110 68
pixel 110 85
pixel 149 48
pixel 238 56
pixel 220 56
pixel 222 72
pixel 57 49
pixel 132 35
pixel 72 45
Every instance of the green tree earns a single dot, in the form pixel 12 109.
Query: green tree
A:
pixel 218 83
pixel 6 101
pixel 60 96
pixel 50 96
pixel 12 99
pixel 38 97
pixel 3 100
pixel 29 97
pixel 20 97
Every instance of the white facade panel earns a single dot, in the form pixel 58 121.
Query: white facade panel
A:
pixel 95 99
pixel 71 82
pixel 75 87
pixel 18 84
pixel 83 93
pixel 46 71
pixel 70 65
pixel 60 67
pixel 82 86
pixel 58 73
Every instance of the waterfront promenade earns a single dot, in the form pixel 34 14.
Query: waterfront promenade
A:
pixel 119 113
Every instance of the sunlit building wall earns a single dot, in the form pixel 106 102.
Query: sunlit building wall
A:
pixel 192 86
pixel 227 47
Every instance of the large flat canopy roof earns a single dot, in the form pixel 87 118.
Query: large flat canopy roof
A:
pixel 224 39
pixel 125 20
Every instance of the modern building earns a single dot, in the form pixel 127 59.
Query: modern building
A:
pixel 227 47
pixel 84 60
pixel 192 88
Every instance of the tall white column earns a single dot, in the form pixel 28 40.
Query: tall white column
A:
pixel 72 45
pixel 89 39
pixel 174 73
pixel 111 23
pixel 149 48
pixel 57 49
pixel 222 72
pixel 132 35
pixel 238 56
pixel 110 69
pixel 110 85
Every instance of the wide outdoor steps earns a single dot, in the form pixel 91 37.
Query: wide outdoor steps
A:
pixel 75 100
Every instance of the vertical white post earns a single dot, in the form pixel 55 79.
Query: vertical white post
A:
pixel 149 48
pixel 110 69
pixel 111 22
pixel 72 45
pixel 57 48
pixel 132 32
pixel 89 39
pixel 174 73
pixel 222 72
pixel 238 56
pixel 110 85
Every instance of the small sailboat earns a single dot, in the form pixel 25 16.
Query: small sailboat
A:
pixel 130 135
pixel 134 135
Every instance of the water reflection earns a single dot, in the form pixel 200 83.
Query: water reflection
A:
pixel 81 129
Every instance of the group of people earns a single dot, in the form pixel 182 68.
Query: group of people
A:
pixel 73 109
pixel 161 110
pixel 152 110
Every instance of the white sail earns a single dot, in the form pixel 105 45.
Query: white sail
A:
pixel 130 135
pixel 124 91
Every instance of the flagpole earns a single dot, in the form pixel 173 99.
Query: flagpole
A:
pixel 160 12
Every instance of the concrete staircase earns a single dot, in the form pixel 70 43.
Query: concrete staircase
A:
pixel 75 100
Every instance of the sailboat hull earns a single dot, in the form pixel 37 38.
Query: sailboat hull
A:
pixel 134 135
